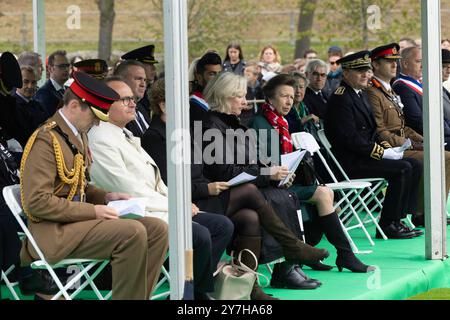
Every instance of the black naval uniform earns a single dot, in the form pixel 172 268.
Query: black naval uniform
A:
pixel 351 129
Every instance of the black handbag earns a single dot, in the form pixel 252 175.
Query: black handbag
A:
pixel 306 174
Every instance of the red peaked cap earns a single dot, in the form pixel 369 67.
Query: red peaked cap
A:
pixel 95 93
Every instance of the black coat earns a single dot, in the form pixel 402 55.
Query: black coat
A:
pixel 315 103
pixel 351 128
pixel 230 159
pixel 48 97
pixel 133 125
pixel 28 117
pixel 154 143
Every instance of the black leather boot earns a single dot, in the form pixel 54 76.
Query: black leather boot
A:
pixel 336 236
pixel 319 266
pixel 259 294
pixel 294 249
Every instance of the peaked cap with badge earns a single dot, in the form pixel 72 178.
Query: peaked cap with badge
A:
pixel 143 54
pixel 10 75
pixel 357 60
pixel 95 93
pixel 97 68
pixel 389 51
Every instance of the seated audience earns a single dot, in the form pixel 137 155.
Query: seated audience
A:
pixel 270 60
pixel 315 97
pixel 120 164
pixel 352 131
pixel 67 216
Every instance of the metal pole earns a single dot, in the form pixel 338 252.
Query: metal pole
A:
pixel 435 199
pixel 39 33
pixel 178 143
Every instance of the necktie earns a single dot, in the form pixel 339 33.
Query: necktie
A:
pixel 321 97
pixel 141 122
pixel 61 93
pixel 360 94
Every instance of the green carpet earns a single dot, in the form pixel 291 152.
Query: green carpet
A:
pixel 403 273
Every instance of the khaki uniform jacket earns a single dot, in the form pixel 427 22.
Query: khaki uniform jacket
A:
pixel 64 223
pixel 389 117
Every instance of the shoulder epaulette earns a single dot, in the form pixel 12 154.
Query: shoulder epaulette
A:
pixel 340 91
pixel 48 126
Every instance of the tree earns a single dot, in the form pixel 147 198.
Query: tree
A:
pixel 305 24
pixel 211 24
pixel 107 15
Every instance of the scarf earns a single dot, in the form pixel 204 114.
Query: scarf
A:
pixel 279 123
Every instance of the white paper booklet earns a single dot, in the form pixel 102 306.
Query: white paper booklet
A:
pixel 240 179
pixel 291 161
pixel 133 208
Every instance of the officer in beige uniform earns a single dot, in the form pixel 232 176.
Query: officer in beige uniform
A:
pixel 67 216
pixel 389 116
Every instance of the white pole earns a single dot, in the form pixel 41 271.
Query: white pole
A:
pixel 435 199
pixel 39 33
pixel 178 142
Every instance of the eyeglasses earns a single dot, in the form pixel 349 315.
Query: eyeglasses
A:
pixel 127 101
pixel 333 63
pixel 316 74
pixel 62 66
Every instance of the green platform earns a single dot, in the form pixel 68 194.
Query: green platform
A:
pixel 403 273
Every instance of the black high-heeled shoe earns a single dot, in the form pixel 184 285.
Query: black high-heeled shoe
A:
pixel 319 266
pixel 353 264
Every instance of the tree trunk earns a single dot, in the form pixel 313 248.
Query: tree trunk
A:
pixel 364 27
pixel 107 15
pixel 305 24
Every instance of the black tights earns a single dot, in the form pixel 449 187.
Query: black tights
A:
pixel 244 201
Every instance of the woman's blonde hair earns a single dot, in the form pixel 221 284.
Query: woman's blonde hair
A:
pixel 223 86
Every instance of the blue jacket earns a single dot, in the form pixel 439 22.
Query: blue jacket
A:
pixel 48 97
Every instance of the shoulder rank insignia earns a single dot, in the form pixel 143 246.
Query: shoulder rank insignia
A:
pixel 48 126
pixel 340 91
pixel 377 152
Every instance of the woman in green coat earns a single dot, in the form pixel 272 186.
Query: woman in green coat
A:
pixel 271 122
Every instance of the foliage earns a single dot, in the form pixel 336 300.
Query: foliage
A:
pixel 347 17
pixel 212 24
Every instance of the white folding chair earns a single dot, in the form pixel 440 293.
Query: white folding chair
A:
pixel 10 285
pixel 350 191
pixel 11 195
pixel 373 192
pixel 165 278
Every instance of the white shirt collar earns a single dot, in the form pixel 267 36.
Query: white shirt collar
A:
pixel 24 98
pixel 357 90
pixel 71 126
pixel 56 85
pixel 385 84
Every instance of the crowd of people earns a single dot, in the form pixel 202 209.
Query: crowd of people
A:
pixel 93 134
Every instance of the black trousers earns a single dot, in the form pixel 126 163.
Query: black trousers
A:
pixel 211 234
pixel 403 177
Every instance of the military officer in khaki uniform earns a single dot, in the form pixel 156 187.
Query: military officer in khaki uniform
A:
pixel 389 117
pixel 67 216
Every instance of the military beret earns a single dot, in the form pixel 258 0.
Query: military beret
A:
pixel 389 51
pixel 11 75
pixel 357 60
pixel 97 68
pixel 95 93
pixel 143 54
pixel 445 56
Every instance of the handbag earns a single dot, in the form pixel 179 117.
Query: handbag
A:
pixel 306 174
pixel 234 281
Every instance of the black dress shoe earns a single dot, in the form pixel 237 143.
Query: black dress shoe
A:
pixel 319 266
pixel 300 271
pixel 285 276
pixel 40 281
pixel 417 232
pixel 393 231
